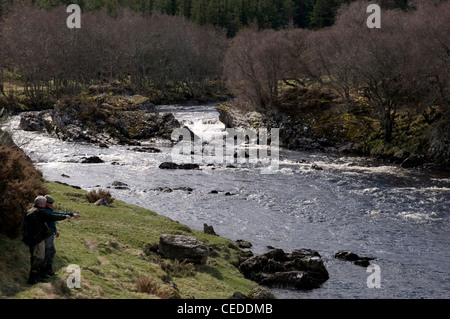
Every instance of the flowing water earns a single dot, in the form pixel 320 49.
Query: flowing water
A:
pixel 400 217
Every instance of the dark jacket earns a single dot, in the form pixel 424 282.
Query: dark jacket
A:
pixel 37 229
pixel 52 225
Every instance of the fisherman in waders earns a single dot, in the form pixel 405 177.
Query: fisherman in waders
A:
pixel 37 232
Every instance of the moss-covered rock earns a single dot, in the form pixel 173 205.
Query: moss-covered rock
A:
pixel 107 115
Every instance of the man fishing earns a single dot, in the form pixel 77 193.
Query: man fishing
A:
pixel 50 251
pixel 37 232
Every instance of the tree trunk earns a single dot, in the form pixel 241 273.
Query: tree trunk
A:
pixel 388 122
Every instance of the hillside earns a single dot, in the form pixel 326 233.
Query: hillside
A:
pixel 111 246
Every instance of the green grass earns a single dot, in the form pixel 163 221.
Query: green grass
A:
pixel 109 246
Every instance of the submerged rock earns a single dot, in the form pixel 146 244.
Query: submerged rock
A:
pixel 92 160
pixel 357 260
pixel 120 185
pixel 171 165
pixel 146 149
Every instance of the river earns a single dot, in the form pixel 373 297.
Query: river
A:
pixel 400 217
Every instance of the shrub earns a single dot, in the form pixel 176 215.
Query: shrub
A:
pixel 20 182
pixel 302 100
pixel 95 195
pixel 147 285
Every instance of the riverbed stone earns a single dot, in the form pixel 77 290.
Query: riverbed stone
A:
pixel 32 121
pixel 146 149
pixel 171 165
pixel 243 243
pixel 350 256
pixel 92 160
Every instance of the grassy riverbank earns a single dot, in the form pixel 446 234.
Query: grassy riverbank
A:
pixel 111 246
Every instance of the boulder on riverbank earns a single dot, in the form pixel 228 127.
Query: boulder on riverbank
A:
pixel 302 269
pixel 243 244
pixel 255 293
pixel 33 121
pixel 183 248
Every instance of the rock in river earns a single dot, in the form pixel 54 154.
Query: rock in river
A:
pixel 109 114
pixel 357 260
pixel 92 160
pixel 302 269
pixel 170 165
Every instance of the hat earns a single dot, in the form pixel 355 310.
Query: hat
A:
pixel 49 199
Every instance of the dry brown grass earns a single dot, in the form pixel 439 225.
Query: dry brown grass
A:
pixel 20 182
pixel 95 195
pixel 150 286
pixel 179 269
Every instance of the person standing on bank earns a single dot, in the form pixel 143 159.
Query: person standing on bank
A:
pixel 50 251
pixel 37 231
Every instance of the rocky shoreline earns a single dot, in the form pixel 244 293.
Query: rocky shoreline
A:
pixel 300 134
pixel 105 115
pixel 301 269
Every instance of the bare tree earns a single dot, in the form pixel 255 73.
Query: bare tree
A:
pixel 156 52
pixel 298 69
pixel 373 61
pixel 330 58
pixel 255 64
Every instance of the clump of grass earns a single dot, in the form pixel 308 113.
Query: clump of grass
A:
pixel 95 195
pixel 150 286
pixel 179 269
pixel 147 285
